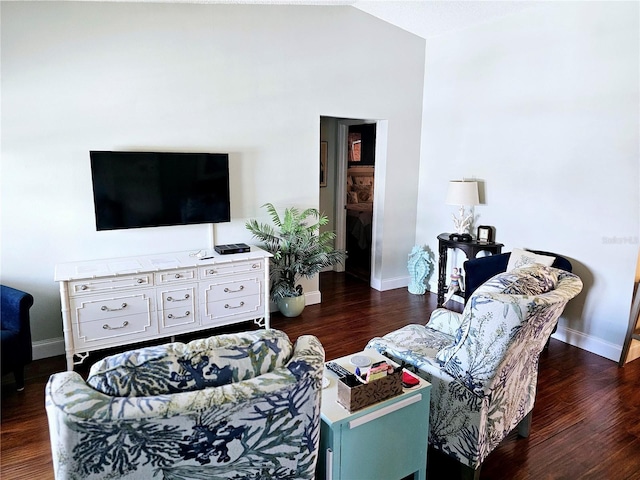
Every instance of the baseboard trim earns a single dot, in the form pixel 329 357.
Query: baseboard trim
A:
pixel 51 347
pixel 586 342
pixel 390 283
pixel 312 298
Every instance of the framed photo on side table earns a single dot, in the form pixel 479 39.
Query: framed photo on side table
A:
pixel 485 234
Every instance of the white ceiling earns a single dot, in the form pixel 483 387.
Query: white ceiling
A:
pixel 425 18
pixel 431 18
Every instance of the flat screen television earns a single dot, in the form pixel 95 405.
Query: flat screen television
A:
pixel 152 189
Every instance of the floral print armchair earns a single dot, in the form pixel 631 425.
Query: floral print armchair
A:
pixel 483 363
pixel 235 406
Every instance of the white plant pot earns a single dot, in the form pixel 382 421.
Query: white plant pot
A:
pixel 291 306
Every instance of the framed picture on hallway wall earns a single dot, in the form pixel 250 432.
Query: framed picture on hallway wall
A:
pixel 324 147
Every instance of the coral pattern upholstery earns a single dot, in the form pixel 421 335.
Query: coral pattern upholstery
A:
pixel 483 363
pixel 243 405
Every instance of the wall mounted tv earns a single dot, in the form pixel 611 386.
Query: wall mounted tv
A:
pixel 152 189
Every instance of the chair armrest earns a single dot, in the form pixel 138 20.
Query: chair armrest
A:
pixel 309 348
pixel 445 321
pixel 14 308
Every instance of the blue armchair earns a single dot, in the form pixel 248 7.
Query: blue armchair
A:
pixel 243 405
pixel 16 332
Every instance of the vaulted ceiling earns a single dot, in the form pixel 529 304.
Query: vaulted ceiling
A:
pixel 425 18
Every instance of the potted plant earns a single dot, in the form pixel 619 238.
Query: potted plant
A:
pixel 299 250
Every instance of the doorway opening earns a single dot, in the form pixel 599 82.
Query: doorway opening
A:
pixel 355 178
pixel 361 160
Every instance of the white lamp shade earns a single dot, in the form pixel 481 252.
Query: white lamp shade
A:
pixel 463 193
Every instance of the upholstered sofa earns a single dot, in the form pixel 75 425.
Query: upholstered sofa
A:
pixel 483 363
pixel 243 405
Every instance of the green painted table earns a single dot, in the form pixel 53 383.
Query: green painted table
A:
pixel 387 440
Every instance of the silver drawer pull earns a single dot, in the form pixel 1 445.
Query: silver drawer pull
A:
pixel 171 299
pixel 255 265
pixel 228 290
pixel 171 315
pixel 177 275
pixel 140 280
pixel 229 306
pixel 104 308
pixel 211 271
pixel 84 287
pixel 107 327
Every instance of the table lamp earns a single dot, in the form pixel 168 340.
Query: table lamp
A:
pixel 462 193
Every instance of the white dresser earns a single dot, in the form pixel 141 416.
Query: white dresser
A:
pixel 119 301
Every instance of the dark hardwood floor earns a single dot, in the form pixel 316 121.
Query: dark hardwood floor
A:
pixel 586 421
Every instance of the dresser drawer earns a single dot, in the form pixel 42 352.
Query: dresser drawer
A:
pixel 246 307
pixel 102 308
pixel 177 307
pixel 229 289
pixel 114 331
pixel 106 284
pixel 231 268
pixel 177 317
pixel 173 276
pixel 237 297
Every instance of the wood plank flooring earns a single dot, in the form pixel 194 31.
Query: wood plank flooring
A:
pixel 586 421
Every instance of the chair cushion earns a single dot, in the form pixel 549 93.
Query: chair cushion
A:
pixel 521 258
pixel 414 344
pixel 534 279
pixel 179 367
pixel 445 321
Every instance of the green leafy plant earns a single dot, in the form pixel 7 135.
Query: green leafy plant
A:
pixel 298 247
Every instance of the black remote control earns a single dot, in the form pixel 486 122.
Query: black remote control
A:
pixel 338 370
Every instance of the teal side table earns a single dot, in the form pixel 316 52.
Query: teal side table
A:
pixel 385 441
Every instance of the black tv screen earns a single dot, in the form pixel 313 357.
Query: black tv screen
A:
pixel 151 189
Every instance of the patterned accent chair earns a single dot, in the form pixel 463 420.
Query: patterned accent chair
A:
pixel 243 405
pixel 483 363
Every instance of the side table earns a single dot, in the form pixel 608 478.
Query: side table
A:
pixel 470 249
pixel 387 440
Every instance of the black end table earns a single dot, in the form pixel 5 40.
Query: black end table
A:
pixel 470 249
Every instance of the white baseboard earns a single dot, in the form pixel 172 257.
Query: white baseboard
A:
pixel 51 347
pixel 312 298
pixel 390 283
pixel 586 342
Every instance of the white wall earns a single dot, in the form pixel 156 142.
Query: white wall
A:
pixel 542 107
pixel 249 80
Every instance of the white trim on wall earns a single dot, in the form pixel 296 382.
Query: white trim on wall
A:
pixel 51 347
pixel 390 283
pixel 588 342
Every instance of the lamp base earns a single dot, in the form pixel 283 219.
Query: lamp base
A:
pixel 460 237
